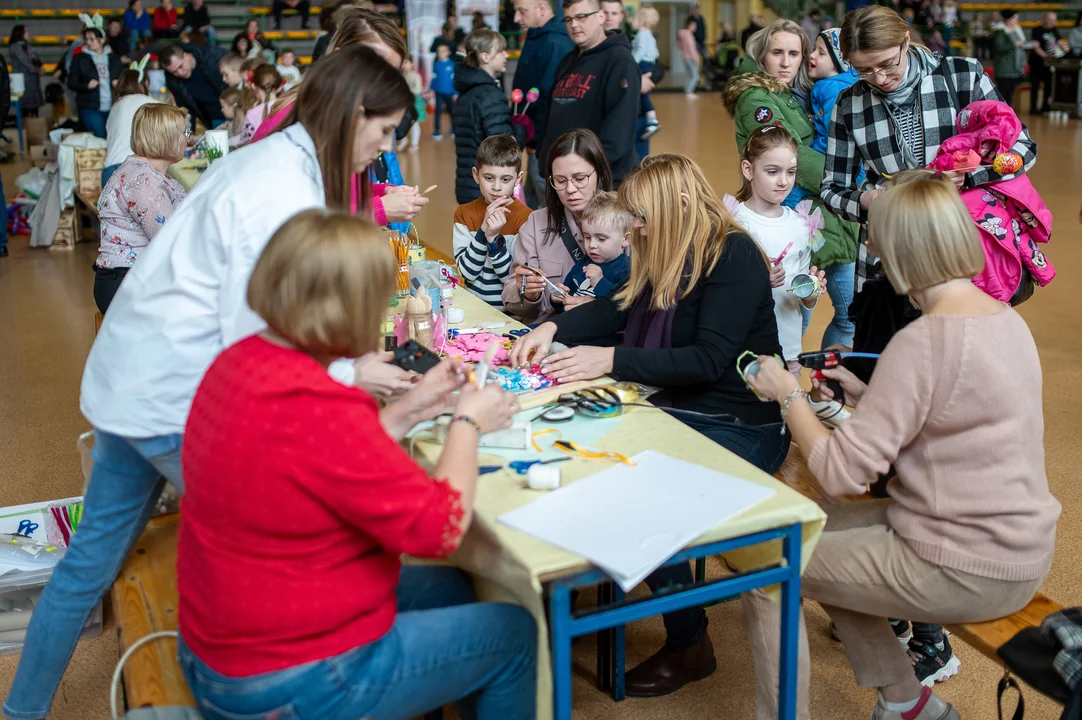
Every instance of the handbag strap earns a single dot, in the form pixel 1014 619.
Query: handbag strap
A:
pixel 573 248
pixel 1009 683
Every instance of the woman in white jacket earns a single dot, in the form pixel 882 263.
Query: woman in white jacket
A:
pixel 178 308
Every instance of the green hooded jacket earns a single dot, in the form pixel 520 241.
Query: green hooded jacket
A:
pixel 755 99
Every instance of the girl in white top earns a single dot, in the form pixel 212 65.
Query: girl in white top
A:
pixel 182 304
pixel 129 95
pixel 787 236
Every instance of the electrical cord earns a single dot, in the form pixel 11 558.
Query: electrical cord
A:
pixel 124 658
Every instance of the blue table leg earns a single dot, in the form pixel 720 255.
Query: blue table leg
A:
pixel 560 626
pixel 619 640
pixel 790 624
pixel 604 641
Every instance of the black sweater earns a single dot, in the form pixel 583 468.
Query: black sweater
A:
pixel 83 70
pixel 729 311
pixel 598 90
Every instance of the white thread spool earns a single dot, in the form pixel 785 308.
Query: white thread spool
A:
pixel 543 477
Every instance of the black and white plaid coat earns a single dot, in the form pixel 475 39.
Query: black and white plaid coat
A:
pixel 862 133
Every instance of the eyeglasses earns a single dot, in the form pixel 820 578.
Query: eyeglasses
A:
pixel 580 181
pixel 568 19
pixel 886 68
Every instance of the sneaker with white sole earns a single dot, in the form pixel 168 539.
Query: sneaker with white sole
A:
pixel 931 663
pixel 929 707
pixel 650 130
pixel 830 412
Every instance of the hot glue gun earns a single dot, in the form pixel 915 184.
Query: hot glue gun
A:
pixel 821 360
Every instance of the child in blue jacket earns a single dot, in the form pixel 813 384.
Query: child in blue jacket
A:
pixel 443 86
pixel 832 76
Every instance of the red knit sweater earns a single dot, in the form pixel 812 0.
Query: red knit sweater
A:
pixel 297 506
pixel 164 19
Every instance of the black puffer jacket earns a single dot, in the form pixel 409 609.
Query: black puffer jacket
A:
pixel 481 111
pixel 83 70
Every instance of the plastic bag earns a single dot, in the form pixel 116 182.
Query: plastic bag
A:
pixel 32 182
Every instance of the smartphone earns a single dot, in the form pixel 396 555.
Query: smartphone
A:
pixel 411 355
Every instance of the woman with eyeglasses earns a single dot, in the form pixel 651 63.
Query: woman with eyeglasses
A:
pixel 697 300
pixel 772 88
pixel 551 240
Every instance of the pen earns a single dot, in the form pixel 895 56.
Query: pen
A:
pixel 781 256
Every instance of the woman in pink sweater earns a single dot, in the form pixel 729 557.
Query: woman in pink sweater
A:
pixel 955 405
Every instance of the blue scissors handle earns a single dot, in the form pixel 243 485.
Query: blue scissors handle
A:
pixel 523 466
pixel 26 528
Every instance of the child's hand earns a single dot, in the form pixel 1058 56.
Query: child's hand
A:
pixel 558 299
pixel 594 273
pixel 777 276
pixel 495 217
pixel 817 273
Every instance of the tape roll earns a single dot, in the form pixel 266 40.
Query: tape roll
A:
pixel 543 477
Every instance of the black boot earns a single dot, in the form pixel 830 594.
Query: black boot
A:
pixel 667 671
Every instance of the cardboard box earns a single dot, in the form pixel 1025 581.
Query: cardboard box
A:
pixel 36 130
pixel 88 166
pixel 43 154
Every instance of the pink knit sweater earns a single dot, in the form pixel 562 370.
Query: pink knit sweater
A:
pixel 955 406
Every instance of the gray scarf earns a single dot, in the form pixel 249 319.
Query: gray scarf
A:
pixel 920 63
pixel 904 107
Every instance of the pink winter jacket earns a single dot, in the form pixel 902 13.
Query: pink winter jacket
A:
pixel 1011 218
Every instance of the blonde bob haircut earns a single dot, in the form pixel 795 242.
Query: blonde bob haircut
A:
pixel 157 132
pixel 688 225
pixel 922 232
pixel 759 43
pixel 323 283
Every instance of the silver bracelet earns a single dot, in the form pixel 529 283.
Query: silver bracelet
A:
pixel 798 393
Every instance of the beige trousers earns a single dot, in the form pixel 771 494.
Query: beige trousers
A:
pixel 862 573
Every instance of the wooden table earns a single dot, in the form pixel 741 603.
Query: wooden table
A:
pixel 511 565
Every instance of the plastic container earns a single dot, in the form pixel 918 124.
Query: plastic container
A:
pixel 20 591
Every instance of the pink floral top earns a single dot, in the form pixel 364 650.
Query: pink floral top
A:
pixel 133 206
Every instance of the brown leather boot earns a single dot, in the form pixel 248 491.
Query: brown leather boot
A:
pixel 667 671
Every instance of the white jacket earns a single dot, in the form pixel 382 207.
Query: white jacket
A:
pixel 184 301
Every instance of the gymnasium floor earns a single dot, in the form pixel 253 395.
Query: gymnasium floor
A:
pixel 46 328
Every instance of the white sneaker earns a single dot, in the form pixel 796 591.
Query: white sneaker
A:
pixel 831 412
pixel 402 144
pixel 930 707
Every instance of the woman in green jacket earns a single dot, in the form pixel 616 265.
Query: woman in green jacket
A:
pixel 778 96
pixel 1008 56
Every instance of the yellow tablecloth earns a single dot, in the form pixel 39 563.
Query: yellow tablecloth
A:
pixel 186 172
pixel 512 565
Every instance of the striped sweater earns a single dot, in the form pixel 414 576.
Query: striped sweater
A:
pixel 485 265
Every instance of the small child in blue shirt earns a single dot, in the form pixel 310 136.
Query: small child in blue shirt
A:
pixel 606 234
pixel 443 86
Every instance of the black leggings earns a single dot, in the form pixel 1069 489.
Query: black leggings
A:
pixel 106 283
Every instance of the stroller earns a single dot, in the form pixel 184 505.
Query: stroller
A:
pixel 718 67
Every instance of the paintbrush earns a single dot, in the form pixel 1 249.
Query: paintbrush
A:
pixel 486 365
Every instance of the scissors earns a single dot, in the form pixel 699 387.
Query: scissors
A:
pixel 523 466
pixel 26 528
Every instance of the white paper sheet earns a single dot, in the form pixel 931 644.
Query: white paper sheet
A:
pixel 629 520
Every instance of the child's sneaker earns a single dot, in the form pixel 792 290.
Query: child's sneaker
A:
pixel 830 412
pixel 437 136
pixel 929 707
pixel 933 662
pixel 651 129
pixel 402 143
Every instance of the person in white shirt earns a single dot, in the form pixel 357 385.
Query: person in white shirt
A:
pixel 788 237
pixel 288 69
pixel 182 303
pixel 129 95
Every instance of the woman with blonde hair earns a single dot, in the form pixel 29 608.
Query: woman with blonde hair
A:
pixel 698 297
pixel 771 88
pixel 139 195
pixel 969 530
pixel 130 94
pixel 381 640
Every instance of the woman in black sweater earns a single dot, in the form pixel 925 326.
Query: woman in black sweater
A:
pixel 685 324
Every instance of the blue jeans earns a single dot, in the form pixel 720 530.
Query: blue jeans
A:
pixel 209 34
pixel 841 281
pixel 443 647
pixel 765 447
pixel 134 35
pixel 106 173
pixel 444 103
pixel 128 477
pixel 645 103
pixel 94 120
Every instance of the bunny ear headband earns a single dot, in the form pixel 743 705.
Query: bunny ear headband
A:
pixel 140 66
pixel 93 23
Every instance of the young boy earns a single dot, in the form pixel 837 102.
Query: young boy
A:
pixel 606 233
pixel 443 85
pixel 229 66
pixel 287 69
pixel 485 229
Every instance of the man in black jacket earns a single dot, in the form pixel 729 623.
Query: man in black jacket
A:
pixel 597 88
pixel 193 78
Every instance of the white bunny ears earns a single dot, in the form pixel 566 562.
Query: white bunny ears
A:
pixel 140 66
pixel 93 23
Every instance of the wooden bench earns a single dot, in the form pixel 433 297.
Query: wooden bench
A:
pixel 986 637
pixel 145 600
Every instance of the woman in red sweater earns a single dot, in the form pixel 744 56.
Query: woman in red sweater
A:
pixel 299 502
pixel 164 23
